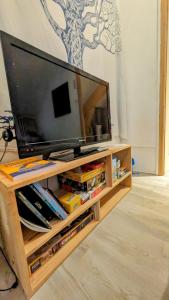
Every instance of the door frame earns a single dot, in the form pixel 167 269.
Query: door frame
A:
pixel 163 85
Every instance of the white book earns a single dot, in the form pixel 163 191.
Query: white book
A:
pixel 33 226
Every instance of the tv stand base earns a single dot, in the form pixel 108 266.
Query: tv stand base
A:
pixel 77 153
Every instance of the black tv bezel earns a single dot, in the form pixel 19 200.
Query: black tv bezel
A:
pixel 7 42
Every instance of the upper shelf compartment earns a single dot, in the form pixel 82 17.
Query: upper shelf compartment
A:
pixel 60 167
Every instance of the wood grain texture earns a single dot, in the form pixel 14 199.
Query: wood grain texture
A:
pixel 12 238
pixel 112 199
pixel 163 85
pixel 125 258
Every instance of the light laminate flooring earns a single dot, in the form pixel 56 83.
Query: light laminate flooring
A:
pixel 125 258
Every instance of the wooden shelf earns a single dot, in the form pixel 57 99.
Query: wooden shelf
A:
pixel 112 200
pixel 20 243
pixel 118 148
pixel 34 241
pixel 58 168
pixel 120 180
pixel 40 276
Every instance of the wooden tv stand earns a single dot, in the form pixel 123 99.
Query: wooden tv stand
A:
pixel 19 243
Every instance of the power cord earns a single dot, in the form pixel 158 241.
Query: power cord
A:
pixel 7 126
pixel 47 183
pixel 15 284
pixel 3 154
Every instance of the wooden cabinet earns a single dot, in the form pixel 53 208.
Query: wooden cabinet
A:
pixel 20 242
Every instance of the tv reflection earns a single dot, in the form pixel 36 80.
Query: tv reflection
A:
pixel 94 109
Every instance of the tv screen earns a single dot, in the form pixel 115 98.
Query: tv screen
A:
pixel 55 105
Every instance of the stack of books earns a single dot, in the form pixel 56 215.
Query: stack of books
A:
pixel 86 181
pixel 37 206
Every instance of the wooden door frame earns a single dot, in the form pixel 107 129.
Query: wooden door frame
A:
pixel 163 85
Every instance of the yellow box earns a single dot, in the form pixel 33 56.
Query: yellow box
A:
pixel 82 177
pixel 70 201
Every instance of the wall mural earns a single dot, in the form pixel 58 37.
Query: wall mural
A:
pixel 104 19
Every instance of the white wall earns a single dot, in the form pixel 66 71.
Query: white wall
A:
pixel 133 75
pixel 140 69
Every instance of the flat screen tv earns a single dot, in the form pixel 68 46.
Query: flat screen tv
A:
pixel 55 105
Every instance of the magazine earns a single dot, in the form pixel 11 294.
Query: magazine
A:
pixel 19 168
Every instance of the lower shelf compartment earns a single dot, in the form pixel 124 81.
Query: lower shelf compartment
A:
pixel 106 205
pixel 33 241
pixel 41 275
pixel 111 199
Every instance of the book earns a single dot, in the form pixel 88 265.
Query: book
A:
pixel 51 201
pixel 27 210
pixel 19 168
pixel 36 200
pixel 33 226
pixel 85 196
pixel 52 208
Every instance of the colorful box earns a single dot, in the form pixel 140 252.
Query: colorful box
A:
pixel 72 185
pixel 85 196
pixel 92 166
pixel 80 176
pixel 69 200
pixel 97 190
pixel 42 255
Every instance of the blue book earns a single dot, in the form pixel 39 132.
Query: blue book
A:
pixel 50 201
pixel 43 198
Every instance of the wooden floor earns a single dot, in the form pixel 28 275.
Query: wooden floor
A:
pixel 125 258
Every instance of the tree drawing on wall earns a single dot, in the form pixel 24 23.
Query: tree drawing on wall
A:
pixel 104 20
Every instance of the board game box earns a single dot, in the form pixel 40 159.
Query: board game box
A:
pixel 72 185
pixel 42 255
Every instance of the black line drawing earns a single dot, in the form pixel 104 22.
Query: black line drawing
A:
pixel 104 20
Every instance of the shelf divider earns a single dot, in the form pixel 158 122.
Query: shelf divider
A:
pixel 112 200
